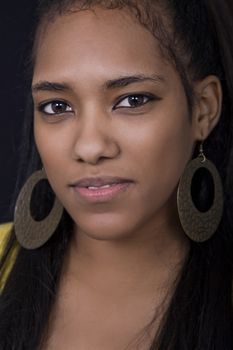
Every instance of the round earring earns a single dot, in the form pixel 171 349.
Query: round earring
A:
pixel 32 234
pixel 199 224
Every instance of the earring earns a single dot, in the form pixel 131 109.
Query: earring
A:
pixel 30 233
pixel 200 223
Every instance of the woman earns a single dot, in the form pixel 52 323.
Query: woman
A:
pixel 132 109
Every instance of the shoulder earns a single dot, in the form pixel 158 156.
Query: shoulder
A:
pixel 5 233
pixel 5 230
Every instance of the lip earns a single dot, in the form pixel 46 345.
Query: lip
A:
pixel 100 181
pixel 114 187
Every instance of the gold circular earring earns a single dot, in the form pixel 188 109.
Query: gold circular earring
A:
pixel 199 225
pixel 32 234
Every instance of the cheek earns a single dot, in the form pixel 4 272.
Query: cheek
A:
pixel 52 139
pixel 161 152
pixel 54 148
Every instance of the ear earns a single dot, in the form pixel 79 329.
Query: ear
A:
pixel 207 107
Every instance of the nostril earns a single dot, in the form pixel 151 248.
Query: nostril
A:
pixel 95 153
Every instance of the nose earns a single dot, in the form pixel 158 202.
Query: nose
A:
pixel 94 141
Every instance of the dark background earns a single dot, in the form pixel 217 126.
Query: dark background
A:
pixel 16 21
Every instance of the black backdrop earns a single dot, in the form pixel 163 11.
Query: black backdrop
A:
pixel 16 19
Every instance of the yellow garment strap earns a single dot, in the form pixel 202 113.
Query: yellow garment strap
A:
pixel 5 231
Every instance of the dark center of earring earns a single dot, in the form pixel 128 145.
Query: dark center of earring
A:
pixel 202 190
pixel 42 200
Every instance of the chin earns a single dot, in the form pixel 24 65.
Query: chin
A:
pixel 102 229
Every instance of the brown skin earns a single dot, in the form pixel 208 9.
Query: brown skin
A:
pixel 126 253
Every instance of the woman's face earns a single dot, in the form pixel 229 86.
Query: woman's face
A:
pixel 107 105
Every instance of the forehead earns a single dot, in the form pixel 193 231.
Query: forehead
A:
pixel 96 40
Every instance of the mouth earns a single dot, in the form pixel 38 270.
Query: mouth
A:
pixel 101 189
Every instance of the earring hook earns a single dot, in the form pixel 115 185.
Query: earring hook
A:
pixel 201 153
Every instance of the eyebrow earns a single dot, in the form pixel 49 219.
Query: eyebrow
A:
pixel 50 86
pixel 127 80
pixel 109 84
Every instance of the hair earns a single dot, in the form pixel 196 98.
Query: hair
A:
pixel 196 36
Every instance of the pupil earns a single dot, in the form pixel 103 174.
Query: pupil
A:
pixel 58 107
pixel 135 101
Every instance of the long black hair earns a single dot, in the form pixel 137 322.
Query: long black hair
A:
pixel 199 42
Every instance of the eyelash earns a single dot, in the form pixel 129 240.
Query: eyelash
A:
pixel 148 97
pixel 42 106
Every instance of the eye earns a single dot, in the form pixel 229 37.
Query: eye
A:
pixel 134 101
pixel 55 107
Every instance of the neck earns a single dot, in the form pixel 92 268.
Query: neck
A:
pixel 138 264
